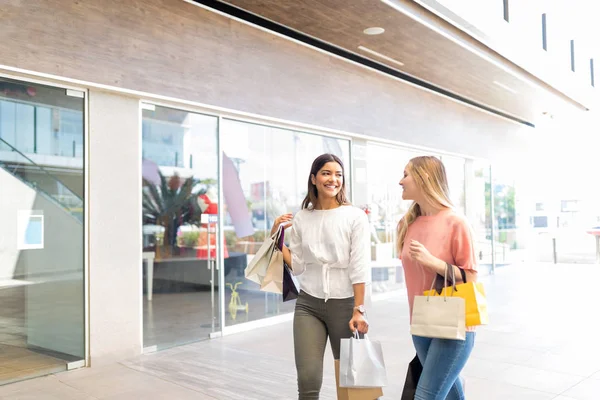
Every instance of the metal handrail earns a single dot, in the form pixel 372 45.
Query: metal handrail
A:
pixel 14 149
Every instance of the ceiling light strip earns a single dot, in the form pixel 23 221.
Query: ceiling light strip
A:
pixel 503 86
pixel 384 57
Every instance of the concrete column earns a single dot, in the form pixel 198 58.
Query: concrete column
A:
pixel 115 237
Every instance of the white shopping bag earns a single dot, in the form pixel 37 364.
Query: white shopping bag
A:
pixel 361 363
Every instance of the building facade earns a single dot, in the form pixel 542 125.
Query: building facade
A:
pixel 146 148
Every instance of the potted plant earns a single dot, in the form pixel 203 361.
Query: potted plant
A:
pixel 170 204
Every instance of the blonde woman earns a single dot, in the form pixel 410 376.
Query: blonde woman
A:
pixel 430 237
pixel 329 252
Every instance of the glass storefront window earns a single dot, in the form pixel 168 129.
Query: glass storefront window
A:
pixel 503 211
pixel 269 167
pixel 264 173
pixel 385 165
pixel 455 171
pixel 478 210
pixel 42 313
pixel 385 168
pixel 506 232
pixel 39 123
pixel 180 205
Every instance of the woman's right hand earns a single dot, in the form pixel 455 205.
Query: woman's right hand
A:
pixel 282 219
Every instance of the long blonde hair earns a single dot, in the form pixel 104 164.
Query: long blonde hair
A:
pixel 429 175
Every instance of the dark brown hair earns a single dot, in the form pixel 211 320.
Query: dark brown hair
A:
pixel 310 201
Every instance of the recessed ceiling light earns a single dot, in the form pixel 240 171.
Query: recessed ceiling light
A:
pixel 374 31
pixel 384 57
pixel 503 86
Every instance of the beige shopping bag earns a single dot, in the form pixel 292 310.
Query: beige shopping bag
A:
pixel 352 393
pixel 441 317
pixel 273 279
pixel 257 268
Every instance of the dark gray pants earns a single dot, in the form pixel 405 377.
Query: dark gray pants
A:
pixel 314 321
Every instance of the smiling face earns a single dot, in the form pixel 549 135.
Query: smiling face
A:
pixel 328 180
pixel 410 189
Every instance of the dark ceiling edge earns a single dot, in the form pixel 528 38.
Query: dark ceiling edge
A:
pixel 284 30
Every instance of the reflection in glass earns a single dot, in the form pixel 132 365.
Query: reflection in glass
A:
pixel 479 211
pixel 52 129
pixel 503 190
pixel 268 177
pixel 41 273
pixel 180 206
pixel 455 170
pixel 385 168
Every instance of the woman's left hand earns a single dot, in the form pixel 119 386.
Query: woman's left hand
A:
pixel 359 322
pixel 420 254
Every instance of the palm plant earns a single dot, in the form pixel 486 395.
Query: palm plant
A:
pixel 170 205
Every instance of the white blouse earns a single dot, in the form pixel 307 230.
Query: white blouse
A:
pixel 330 251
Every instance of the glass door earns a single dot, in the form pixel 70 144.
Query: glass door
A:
pixel 42 308
pixel 180 207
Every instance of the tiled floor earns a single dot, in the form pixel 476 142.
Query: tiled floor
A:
pixel 541 344
pixel 180 315
pixel 183 317
pixel 16 361
pixel 12 315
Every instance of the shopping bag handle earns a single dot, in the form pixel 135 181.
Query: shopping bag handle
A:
pixel 440 284
pixel 452 275
pixel 278 237
pixel 356 334
pixel 281 237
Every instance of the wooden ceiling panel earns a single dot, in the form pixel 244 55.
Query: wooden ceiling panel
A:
pixel 426 54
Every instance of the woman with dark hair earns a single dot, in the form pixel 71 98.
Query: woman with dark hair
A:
pixel 329 252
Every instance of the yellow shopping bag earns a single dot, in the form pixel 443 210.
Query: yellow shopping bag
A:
pixel 475 302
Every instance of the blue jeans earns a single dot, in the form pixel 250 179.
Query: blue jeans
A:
pixel 442 361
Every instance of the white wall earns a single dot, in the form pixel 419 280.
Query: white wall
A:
pixel 115 237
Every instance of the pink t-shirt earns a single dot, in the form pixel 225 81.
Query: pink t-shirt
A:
pixel 447 236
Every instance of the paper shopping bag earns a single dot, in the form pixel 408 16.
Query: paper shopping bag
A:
pixel 290 289
pixel 361 363
pixel 257 267
pixel 412 379
pixel 441 317
pixel 476 310
pixel 273 280
pixel 354 393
